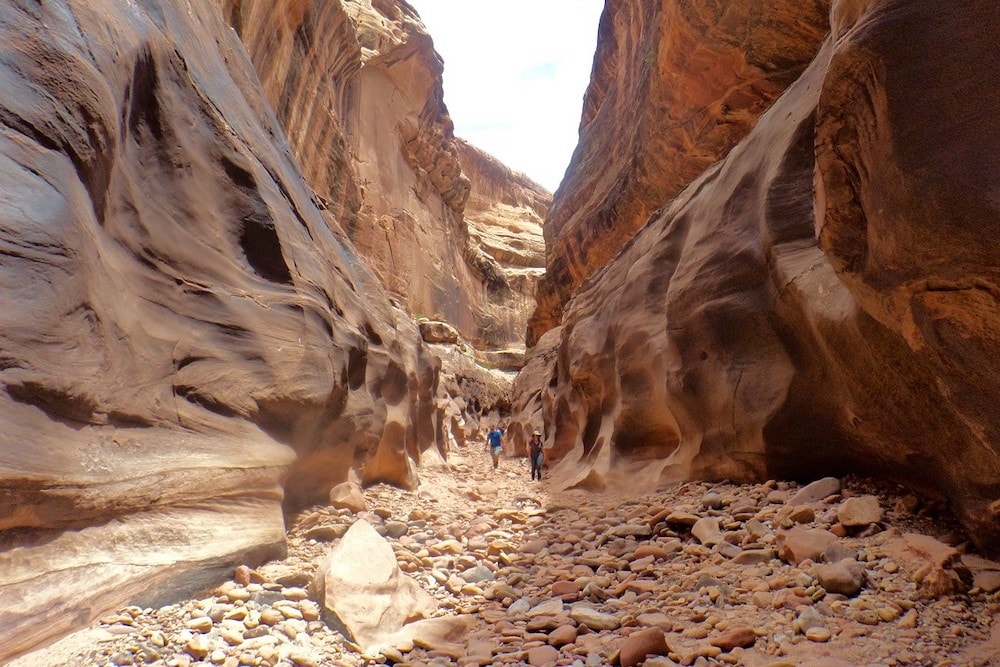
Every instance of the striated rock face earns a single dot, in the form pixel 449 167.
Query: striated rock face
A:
pixel 504 212
pixel 675 86
pixel 357 86
pixel 726 341
pixel 185 338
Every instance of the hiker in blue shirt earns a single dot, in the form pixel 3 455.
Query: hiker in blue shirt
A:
pixel 494 443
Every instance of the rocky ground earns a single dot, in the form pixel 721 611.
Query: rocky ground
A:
pixel 699 574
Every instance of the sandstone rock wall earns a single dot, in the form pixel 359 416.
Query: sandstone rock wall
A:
pixel 357 86
pixel 186 340
pixel 675 86
pixel 824 300
pixel 504 213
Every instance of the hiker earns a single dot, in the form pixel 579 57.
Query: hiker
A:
pixel 535 454
pixel 494 443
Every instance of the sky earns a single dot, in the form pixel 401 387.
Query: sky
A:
pixel 515 72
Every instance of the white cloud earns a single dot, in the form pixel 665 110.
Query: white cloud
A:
pixel 515 72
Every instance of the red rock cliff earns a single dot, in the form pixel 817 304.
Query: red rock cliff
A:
pixel 824 300
pixel 186 338
pixel 357 86
pixel 675 85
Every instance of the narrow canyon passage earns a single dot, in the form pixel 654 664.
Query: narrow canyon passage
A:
pixel 698 574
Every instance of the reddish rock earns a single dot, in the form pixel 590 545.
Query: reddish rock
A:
pixel 348 495
pixel 860 511
pixel 241 575
pixel 540 656
pixel 737 637
pixel 561 588
pixel 846 577
pixel 800 544
pixel 653 550
pixel 936 567
pixel 564 634
pixel 638 645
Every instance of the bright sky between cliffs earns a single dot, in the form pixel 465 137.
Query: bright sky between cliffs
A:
pixel 515 72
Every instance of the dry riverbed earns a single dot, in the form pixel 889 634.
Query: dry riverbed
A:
pixel 698 574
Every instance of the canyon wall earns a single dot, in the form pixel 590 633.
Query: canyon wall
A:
pixel 187 340
pixel 357 86
pixel 824 300
pixel 504 212
pixel 675 85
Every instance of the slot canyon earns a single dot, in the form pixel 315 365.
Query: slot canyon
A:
pixel 262 306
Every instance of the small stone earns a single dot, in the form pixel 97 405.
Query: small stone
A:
pixel 655 620
pixel 859 511
pixel 562 635
pixel 798 544
pixel 802 514
pixel 631 530
pixel 594 619
pixel 816 491
pixel 808 618
pixel 241 575
pixel 706 530
pixel 198 647
pixel 711 501
pixel 542 655
pixel 271 616
pixel 396 529
pixel 846 577
pixel 683 519
pixel 203 624
pixel 819 634
pixel 561 588
pixel 736 637
pixel 638 645
pixel 729 550
pixel 477 574
pixel 547 608
pixel 754 556
pixel 521 606
pixel 533 546
pixel 326 533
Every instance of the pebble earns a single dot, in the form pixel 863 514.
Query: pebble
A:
pixel 818 634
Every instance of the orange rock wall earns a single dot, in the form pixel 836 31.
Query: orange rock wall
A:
pixel 187 341
pixel 823 301
pixel 357 86
pixel 675 86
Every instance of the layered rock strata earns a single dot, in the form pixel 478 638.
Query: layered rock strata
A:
pixel 357 86
pixel 186 338
pixel 675 86
pixel 504 212
pixel 825 299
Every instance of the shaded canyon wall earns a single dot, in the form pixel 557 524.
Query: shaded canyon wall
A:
pixel 675 85
pixel 824 300
pixel 187 338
